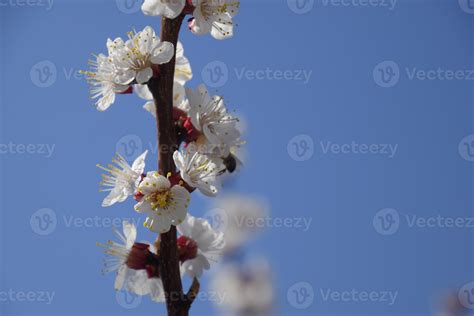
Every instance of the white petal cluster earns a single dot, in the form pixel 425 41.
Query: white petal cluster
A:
pixel 206 158
pixel 121 179
pixel 208 136
pixel 248 288
pixel 103 81
pixel 198 171
pixel 135 57
pixel 167 8
pixel 239 211
pixel 182 74
pixel 209 242
pixel 128 62
pixel 214 17
pixel 165 205
pixel 134 281
pixel 209 115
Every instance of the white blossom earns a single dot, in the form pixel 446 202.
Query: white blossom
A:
pixel 168 8
pixel 215 17
pixel 238 211
pixel 165 205
pixel 209 244
pixel 103 81
pixel 198 171
pixel 183 73
pixel 134 281
pixel 248 287
pixel 138 54
pixel 122 179
pixel 209 115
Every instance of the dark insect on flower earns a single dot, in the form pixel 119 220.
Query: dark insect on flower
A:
pixel 231 163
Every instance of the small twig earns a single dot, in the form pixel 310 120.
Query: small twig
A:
pixel 193 291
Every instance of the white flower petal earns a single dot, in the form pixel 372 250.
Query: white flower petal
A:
pixel 115 196
pixel 143 92
pixel 160 224
pixel 143 207
pixel 130 233
pixel 162 53
pixel 168 8
pixel 144 75
pixel 139 164
pixel 151 108
pixel 120 278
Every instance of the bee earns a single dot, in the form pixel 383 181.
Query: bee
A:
pixel 232 163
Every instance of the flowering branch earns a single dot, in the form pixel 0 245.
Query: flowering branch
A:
pixel 161 87
pixel 196 134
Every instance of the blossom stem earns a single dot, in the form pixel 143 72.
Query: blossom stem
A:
pixel 161 87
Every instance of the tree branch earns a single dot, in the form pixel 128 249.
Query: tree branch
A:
pixel 161 88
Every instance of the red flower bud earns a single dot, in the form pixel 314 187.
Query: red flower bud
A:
pixel 192 132
pixel 138 257
pixel 187 248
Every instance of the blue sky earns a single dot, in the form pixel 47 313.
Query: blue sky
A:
pixel 359 119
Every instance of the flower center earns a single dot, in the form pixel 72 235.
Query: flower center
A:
pixel 159 199
pixel 138 61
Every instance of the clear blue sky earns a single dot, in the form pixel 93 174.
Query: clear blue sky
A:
pixel 367 147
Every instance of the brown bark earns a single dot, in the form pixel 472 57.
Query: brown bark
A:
pixel 161 87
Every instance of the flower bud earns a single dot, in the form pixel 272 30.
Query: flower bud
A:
pixel 187 248
pixel 139 256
